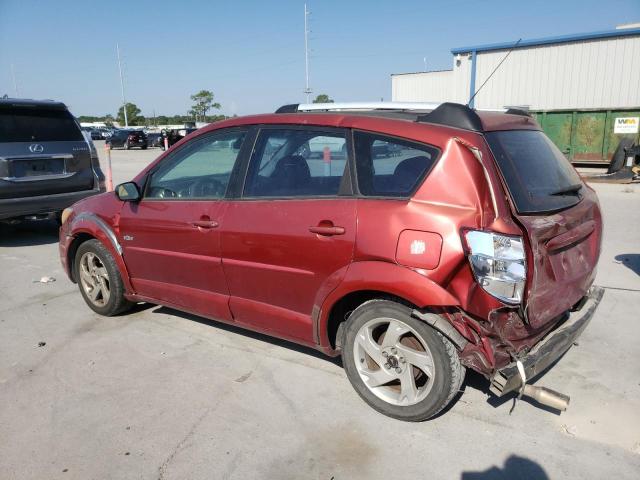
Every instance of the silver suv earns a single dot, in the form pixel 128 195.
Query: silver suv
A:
pixel 46 163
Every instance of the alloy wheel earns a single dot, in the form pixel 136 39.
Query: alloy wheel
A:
pixel 393 361
pixel 94 279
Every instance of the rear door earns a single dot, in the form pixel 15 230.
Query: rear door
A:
pixel 561 216
pixel 171 238
pixel 42 152
pixel 289 238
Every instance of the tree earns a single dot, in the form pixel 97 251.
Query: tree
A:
pixel 108 120
pixel 323 98
pixel 133 115
pixel 204 103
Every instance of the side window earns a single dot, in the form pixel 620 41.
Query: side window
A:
pixel 199 170
pixel 390 167
pixel 296 163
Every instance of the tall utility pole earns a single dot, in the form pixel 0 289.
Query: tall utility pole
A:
pixel 307 89
pixel 124 102
pixel 15 84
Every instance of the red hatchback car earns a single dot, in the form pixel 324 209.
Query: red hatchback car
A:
pixel 414 241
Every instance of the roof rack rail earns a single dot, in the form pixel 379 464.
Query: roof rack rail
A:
pixel 450 114
pixel 355 106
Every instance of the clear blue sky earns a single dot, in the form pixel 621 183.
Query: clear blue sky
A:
pixel 251 53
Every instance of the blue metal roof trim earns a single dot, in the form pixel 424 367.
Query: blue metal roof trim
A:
pixel 549 40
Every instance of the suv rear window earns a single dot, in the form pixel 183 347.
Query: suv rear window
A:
pixel 390 167
pixel 539 177
pixel 24 124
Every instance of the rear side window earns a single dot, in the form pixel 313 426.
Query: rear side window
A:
pixel 390 167
pixel 538 176
pixel 297 163
pixel 23 124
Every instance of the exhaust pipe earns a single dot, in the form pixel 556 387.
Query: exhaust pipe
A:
pixel 546 396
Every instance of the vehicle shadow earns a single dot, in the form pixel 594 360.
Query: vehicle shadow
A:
pixel 514 467
pixel 250 334
pixel 630 260
pixel 28 233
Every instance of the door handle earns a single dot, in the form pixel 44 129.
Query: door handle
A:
pixel 327 231
pixel 205 224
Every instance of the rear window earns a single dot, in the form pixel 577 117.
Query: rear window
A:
pixel 539 177
pixel 24 124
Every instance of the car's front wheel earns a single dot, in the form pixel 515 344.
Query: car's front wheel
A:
pixel 99 279
pixel 398 364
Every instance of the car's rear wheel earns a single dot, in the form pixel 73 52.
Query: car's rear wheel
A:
pixel 398 364
pixel 99 279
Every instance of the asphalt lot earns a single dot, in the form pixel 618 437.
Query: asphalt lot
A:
pixel 158 394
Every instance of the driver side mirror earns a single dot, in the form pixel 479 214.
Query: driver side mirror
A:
pixel 128 192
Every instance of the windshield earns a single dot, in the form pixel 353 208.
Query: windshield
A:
pixel 19 124
pixel 539 178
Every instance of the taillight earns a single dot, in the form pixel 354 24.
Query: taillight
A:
pixel 498 264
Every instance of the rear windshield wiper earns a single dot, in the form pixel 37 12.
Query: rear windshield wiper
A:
pixel 568 190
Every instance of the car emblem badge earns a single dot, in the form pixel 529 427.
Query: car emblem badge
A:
pixel 36 148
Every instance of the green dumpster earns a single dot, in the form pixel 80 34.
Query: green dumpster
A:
pixel 589 136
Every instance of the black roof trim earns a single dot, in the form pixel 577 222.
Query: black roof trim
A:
pixel 290 108
pixel 453 115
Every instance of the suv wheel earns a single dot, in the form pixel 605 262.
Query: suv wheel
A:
pixel 99 279
pixel 398 364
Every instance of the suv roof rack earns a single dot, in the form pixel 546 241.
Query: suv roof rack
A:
pixel 449 114
pixel 367 106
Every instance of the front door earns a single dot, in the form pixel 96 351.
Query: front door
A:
pixel 171 238
pixel 289 238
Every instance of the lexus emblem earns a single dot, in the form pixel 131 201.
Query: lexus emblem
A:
pixel 36 148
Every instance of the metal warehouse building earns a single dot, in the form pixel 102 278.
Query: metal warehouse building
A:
pixel 577 85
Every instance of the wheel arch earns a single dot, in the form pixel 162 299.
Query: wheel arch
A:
pixel 86 227
pixel 374 279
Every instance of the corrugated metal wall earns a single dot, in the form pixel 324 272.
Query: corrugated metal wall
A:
pixel 422 87
pixel 588 74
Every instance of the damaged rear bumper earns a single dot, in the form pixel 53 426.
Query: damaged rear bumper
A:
pixel 549 349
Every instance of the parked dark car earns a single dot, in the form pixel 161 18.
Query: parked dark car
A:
pixel 96 134
pixel 155 140
pixel 128 139
pixel 46 162
pixel 444 239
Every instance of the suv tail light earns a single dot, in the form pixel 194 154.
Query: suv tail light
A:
pixel 498 264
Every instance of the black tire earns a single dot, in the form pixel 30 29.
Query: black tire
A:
pixel 448 373
pixel 144 147
pixel 117 303
pixel 619 156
